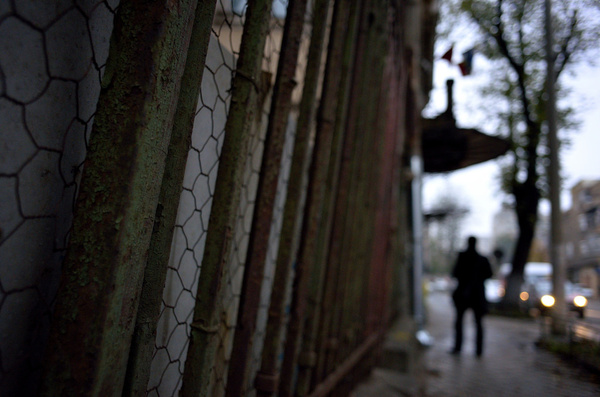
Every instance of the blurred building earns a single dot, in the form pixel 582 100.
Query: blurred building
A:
pixel 581 234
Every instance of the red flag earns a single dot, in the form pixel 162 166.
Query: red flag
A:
pixel 448 55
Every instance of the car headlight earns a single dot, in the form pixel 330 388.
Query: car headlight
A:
pixel 580 301
pixel 547 300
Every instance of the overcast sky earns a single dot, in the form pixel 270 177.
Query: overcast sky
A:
pixel 477 185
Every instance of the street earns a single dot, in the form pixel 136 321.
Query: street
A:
pixel 511 364
pixel 589 327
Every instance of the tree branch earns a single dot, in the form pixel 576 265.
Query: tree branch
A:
pixel 565 50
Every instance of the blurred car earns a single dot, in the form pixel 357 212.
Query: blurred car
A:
pixel 494 291
pixel 538 295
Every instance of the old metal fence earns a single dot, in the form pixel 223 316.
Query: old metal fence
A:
pixel 204 197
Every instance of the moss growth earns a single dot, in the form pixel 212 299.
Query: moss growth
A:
pixel 112 223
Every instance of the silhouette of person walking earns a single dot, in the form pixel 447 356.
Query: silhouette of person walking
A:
pixel 471 270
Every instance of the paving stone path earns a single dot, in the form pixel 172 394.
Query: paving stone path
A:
pixel 511 365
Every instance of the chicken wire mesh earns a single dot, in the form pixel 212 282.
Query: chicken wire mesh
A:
pixel 51 67
pixel 52 57
pixel 195 205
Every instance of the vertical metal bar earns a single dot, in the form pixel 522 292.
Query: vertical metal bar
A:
pixel 344 250
pixel 207 310
pixel 359 229
pixel 267 189
pixel 142 345
pixel 308 356
pixel 353 253
pixel 326 387
pixel 374 161
pixel 379 282
pixel 102 272
pixel 403 254
pixel 367 158
pixel 314 198
pixel 368 169
pixel 398 272
pixel 335 276
pixel 415 103
pixel 416 166
pixel 398 220
pixel 351 327
pixel 267 378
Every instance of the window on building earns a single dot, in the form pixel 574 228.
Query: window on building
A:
pixel 585 196
pixel 583 248
pixel 590 218
pixel 596 245
pixel 582 222
pixel 569 250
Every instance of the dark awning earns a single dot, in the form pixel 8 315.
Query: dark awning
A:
pixel 447 148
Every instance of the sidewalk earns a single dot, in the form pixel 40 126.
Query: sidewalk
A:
pixel 511 364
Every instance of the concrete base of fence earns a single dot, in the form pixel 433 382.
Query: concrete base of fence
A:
pixel 401 369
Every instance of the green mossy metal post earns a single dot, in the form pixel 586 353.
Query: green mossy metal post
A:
pixel 142 346
pixel 252 283
pixel 244 99
pixel 369 131
pixel 333 282
pixel 309 356
pixel 314 197
pixel 343 252
pixel 268 377
pixel 103 269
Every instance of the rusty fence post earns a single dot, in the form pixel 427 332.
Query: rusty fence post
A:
pixel 314 197
pixel 244 98
pixel 337 273
pixel 329 386
pixel 142 346
pixel 325 342
pixel 239 368
pixel 353 238
pixel 403 274
pixel 349 326
pixel 365 291
pixel 380 286
pixel 267 379
pixel 363 197
pixel 309 354
pixel 103 269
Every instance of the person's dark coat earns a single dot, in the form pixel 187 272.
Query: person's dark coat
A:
pixel 471 271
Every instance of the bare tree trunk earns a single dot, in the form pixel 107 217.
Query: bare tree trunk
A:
pixel 527 197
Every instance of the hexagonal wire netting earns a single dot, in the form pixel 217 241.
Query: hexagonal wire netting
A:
pixel 194 210
pixel 52 57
